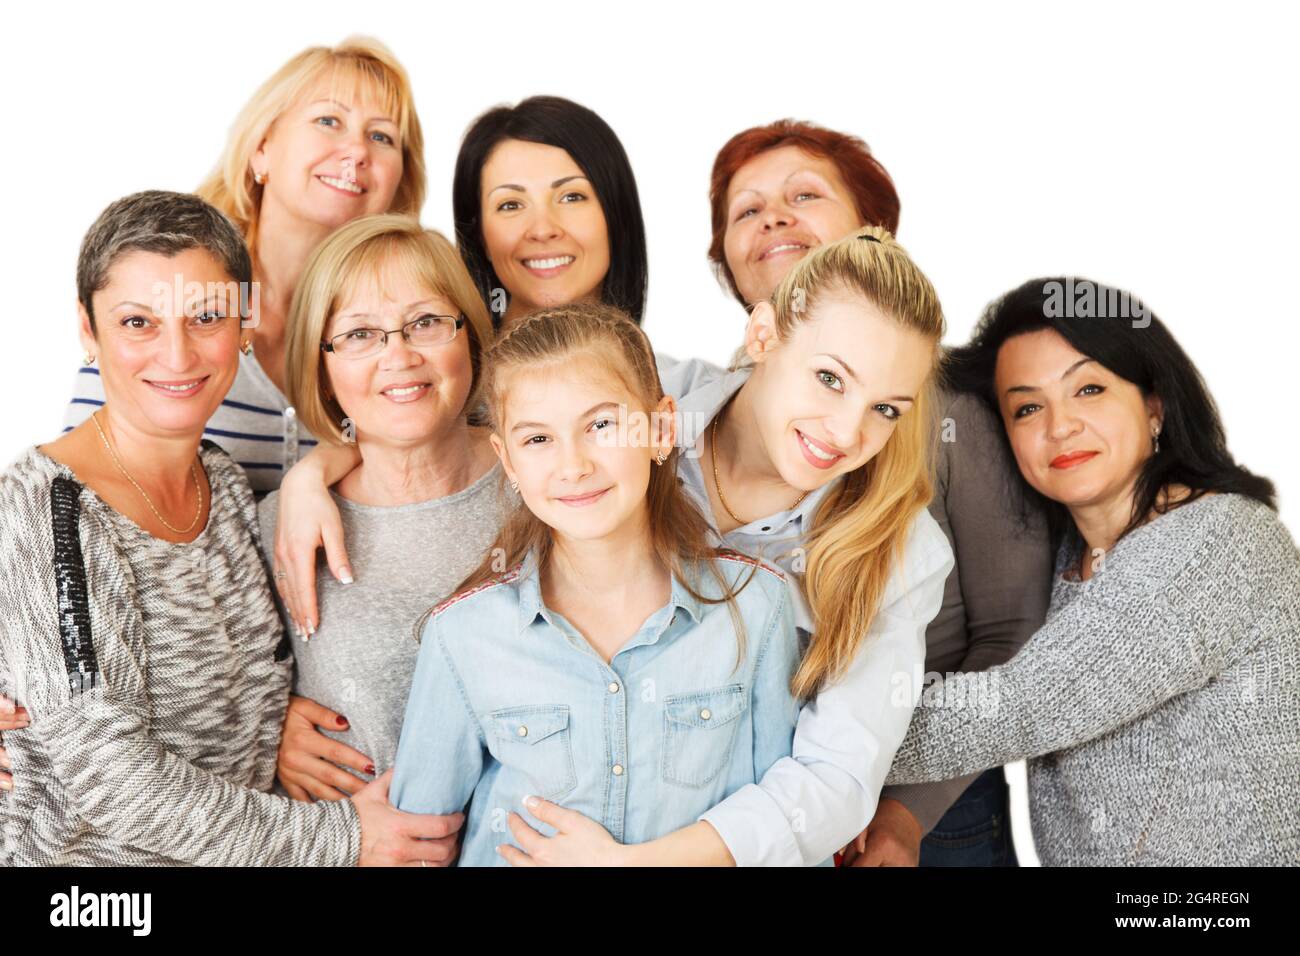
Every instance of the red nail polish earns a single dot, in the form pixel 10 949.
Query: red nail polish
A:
pixel 343 721
pixel 370 769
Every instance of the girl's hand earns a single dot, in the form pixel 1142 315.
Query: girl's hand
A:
pixel 307 758
pixel 11 718
pixel 578 842
pixel 390 837
pixel 308 519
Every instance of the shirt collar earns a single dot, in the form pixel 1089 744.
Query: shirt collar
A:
pixel 697 408
pixel 531 607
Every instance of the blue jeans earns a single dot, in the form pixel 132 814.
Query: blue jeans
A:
pixel 976 830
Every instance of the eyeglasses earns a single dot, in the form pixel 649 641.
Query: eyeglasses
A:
pixel 424 332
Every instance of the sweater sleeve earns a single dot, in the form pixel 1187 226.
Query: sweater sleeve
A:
pixel 1114 653
pixel 75 643
pixel 999 593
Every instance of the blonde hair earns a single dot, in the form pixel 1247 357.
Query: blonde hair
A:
pixel 859 530
pixel 366 249
pixel 356 64
pixel 557 339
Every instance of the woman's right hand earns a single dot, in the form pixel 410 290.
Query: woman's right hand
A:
pixel 390 837
pixel 309 519
pixel 306 764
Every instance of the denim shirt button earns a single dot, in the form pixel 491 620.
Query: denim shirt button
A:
pixel 522 731
pixel 613 687
pixel 618 770
pixel 705 714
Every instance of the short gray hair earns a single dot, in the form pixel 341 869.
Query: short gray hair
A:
pixel 161 222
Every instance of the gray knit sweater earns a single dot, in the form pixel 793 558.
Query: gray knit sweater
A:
pixel 156 675
pixel 1158 706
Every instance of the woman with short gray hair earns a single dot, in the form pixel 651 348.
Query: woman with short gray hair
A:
pixel 137 626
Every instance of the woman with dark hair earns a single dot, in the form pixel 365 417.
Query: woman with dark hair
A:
pixel 547 211
pixel 1156 706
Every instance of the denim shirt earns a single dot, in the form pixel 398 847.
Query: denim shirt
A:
pixel 508 699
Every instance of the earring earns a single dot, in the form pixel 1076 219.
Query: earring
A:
pixel 246 347
pixel 514 486
pixel 87 358
pixel 1155 439
pixel 661 458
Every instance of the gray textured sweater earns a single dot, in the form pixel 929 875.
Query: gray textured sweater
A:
pixel 1158 706
pixel 156 676
pixel 404 560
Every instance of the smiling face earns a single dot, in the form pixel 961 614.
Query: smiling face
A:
pixel 328 160
pixel 580 447
pixel 781 204
pixel 165 364
pixel 829 396
pixel 543 227
pixel 1080 433
pixel 403 395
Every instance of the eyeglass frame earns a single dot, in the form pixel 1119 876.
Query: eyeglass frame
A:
pixel 328 346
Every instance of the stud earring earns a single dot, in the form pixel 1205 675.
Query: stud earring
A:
pixel 87 358
pixel 259 178
pixel 246 347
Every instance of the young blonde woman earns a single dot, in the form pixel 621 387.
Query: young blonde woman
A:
pixel 332 136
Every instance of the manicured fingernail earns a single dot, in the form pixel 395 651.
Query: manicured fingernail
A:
pixel 311 628
pixel 6 705
pixel 6 785
pixel 343 721
pixel 345 574
pixel 531 802
pixel 370 769
pixel 4 762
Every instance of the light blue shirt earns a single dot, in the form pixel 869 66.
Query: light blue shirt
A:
pixel 508 699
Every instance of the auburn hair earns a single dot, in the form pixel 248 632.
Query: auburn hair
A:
pixel 867 180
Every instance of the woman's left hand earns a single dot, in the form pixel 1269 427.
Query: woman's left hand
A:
pixel 579 841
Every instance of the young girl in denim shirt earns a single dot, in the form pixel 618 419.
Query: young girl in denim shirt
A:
pixel 604 656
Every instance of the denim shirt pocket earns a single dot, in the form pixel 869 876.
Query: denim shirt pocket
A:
pixel 534 741
pixel 699 733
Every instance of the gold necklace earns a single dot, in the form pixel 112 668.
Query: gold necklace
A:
pixel 718 485
pixel 194 468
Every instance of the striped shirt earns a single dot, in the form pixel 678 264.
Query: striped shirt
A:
pixel 255 424
pixel 157 677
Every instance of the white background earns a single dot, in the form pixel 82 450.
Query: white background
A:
pixel 1152 146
